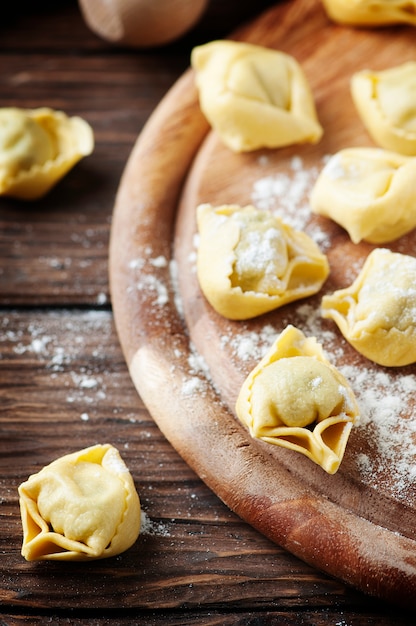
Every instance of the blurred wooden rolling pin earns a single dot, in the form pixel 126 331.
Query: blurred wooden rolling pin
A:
pixel 141 23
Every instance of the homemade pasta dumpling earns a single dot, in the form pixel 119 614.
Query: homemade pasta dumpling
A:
pixel 253 96
pixel 371 12
pixel 37 148
pixel 82 506
pixel 296 399
pixel 250 262
pixel 377 313
pixel 368 191
pixel 386 103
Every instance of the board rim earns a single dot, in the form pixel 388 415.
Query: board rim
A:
pixel 143 218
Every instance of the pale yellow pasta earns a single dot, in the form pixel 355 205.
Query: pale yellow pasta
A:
pixel 377 313
pixel 368 191
pixel 254 97
pixel 371 12
pixel 386 103
pixel 37 148
pixel 296 399
pixel 82 506
pixel 250 262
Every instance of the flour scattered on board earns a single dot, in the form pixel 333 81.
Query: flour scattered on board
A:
pixel 199 375
pixel 81 380
pixel 287 195
pixel 151 284
pixel 248 344
pixel 380 394
pixel 152 527
pixel 390 434
pixel 147 280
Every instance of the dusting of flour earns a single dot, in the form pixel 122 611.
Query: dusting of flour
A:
pixel 287 194
pixel 152 527
pixel 385 395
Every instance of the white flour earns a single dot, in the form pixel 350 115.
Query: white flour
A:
pixel 151 527
pixel 287 196
pixel 56 342
pixel 381 392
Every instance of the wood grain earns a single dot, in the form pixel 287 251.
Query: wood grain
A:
pixel 61 393
pixel 55 250
pixel 64 382
pixel 326 524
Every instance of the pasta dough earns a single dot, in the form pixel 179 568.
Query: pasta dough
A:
pixel 250 262
pixel 371 12
pixel 37 148
pixel 368 191
pixel 377 313
pixel 254 97
pixel 296 399
pixel 82 506
pixel 386 103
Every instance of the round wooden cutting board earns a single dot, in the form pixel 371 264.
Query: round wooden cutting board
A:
pixel 188 363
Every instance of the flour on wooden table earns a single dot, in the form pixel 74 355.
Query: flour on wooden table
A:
pixel 197 375
pixel 381 393
pixel 147 281
pixel 287 195
pixel 249 345
pixel 59 355
pixel 152 527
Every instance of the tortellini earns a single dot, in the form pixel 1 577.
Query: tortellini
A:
pixel 386 103
pixel 371 12
pixel 37 148
pixel 368 191
pixel 253 96
pixel 250 262
pixel 296 399
pixel 81 506
pixel 377 313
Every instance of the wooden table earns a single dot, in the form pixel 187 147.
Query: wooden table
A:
pixel 65 385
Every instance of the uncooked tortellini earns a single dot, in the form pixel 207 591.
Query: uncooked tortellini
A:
pixel 250 262
pixel 368 191
pixel 371 12
pixel 37 148
pixel 377 313
pixel 82 506
pixel 254 97
pixel 296 399
pixel 386 103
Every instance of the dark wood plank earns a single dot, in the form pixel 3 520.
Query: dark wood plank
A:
pixel 215 617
